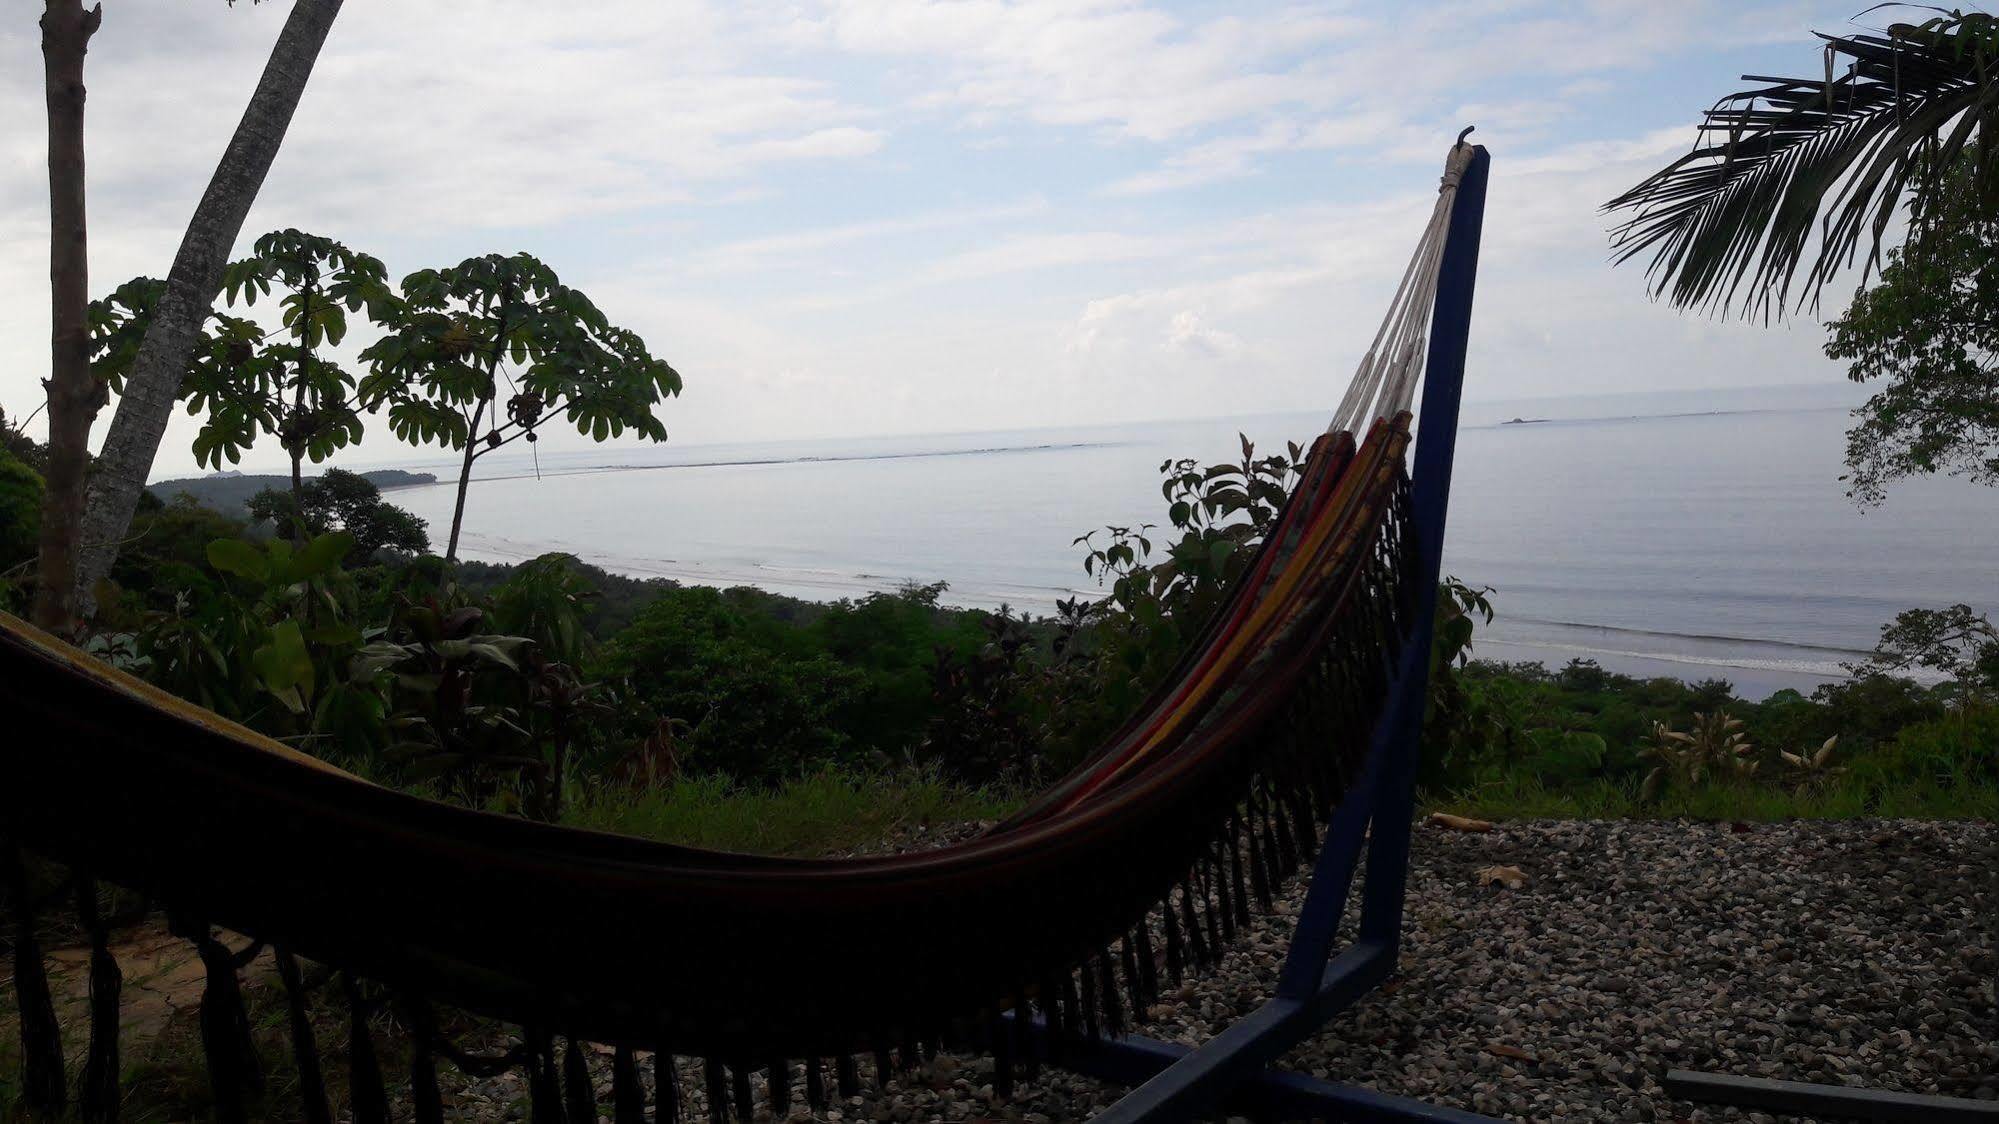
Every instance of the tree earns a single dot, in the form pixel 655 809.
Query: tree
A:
pixel 20 522
pixel 462 330
pixel 1930 329
pixel 339 500
pixel 15 440
pixel 224 349
pixel 1958 642
pixel 74 396
pixel 289 388
pixel 1794 164
pixel 126 458
pixel 757 706
pixel 1797 165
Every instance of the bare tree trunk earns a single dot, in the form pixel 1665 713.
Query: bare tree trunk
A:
pixel 464 480
pixel 478 415
pixel 148 400
pixel 292 443
pixel 74 395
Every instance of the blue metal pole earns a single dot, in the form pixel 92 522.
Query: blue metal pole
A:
pixel 1430 496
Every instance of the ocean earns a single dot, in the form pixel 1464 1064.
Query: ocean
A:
pixel 1687 534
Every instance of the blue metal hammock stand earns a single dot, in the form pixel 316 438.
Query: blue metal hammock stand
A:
pixel 1319 980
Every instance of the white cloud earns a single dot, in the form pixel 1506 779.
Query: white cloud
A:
pixel 1046 251
pixel 784 249
pixel 1189 333
pixel 420 117
pixel 876 215
pixel 1234 156
pixel 1116 63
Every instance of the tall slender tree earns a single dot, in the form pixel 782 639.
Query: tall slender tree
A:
pixel 126 459
pixel 461 332
pixel 74 394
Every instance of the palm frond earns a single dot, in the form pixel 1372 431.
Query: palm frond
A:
pixel 1834 156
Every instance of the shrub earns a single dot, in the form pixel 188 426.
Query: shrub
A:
pixel 548 600
pixel 1954 753
pixel 1582 675
pixel 1716 749
pixel 168 555
pixel 756 706
pixel 20 525
pixel 1870 709
pixel 897 641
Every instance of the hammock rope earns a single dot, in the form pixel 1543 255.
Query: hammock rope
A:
pixel 757 972
pixel 1385 384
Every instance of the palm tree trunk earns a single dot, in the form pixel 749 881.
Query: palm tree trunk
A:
pixel 148 401
pixel 74 396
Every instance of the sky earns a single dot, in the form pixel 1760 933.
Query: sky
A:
pixel 852 217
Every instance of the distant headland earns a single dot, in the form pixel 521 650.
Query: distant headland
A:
pixel 230 492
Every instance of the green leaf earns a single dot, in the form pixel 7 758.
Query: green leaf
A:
pixel 1219 551
pixel 334 635
pixel 234 556
pixel 494 653
pixel 321 554
pixel 284 665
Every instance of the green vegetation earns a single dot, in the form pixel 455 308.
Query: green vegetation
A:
pixel 230 494
pixel 1522 797
pixel 743 719
pixel 286 387
pixel 1798 170
pixel 20 523
pixel 444 345
pixel 450 339
pixel 1928 332
pixel 1586 742
pixel 339 500
pixel 829 812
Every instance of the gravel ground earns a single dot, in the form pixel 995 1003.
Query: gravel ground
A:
pixel 1860 953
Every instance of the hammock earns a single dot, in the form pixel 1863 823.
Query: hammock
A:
pixel 1064 920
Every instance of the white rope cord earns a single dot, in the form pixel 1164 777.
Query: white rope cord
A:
pixel 1385 383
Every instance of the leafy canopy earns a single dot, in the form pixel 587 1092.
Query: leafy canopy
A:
pixel 118 324
pixel 1957 642
pixel 1930 332
pixel 338 500
pixel 1797 170
pixel 286 386
pixel 460 331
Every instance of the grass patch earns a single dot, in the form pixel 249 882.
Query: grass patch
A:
pixel 1518 798
pixel 822 814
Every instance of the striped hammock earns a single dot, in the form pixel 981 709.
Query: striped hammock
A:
pixel 1137 868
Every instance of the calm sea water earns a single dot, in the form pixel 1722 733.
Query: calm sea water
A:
pixel 1685 534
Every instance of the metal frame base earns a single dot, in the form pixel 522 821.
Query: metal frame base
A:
pixel 1230 1071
